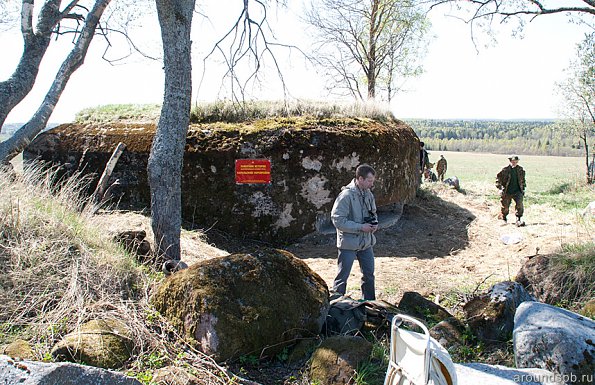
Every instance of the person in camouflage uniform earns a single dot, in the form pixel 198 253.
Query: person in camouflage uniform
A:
pixel 511 183
pixel 441 167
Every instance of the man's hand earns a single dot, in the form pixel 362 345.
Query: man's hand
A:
pixel 368 228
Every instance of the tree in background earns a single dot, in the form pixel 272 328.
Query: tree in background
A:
pixel 520 10
pixel 366 47
pixel 578 93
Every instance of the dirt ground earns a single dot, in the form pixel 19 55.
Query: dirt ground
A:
pixel 446 243
pixel 449 242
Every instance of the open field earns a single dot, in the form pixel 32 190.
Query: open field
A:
pixel 543 172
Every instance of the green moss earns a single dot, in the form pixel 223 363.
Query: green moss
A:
pixel 101 343
pixel 337 359
pixel 18 349
pixel 240 296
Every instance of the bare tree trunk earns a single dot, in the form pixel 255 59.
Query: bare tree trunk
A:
pixel 586 143
pixel 14 90
pixel 372 50
pixel 167 151
pixel 21 138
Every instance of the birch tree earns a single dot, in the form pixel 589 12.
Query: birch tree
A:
pixel 246 41
pixel 366 47
pixel 53 18
pixel 578 93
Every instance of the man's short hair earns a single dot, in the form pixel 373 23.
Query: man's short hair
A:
pixel 364 170
pixel 421 144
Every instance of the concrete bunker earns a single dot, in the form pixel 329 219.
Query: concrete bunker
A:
pixel 310 160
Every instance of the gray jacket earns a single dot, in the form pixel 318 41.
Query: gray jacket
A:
pixel 349 210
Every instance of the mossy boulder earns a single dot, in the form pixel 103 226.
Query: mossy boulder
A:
pixel 245 304
pixel 418 306
pixel 104 343
pixel 20 349
pixel 491 316
pixel 311 159
pixel 337 358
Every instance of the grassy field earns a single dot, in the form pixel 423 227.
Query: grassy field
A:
pixel 543 172
pixel 554 180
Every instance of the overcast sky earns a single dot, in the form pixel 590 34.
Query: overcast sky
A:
pixel 513 79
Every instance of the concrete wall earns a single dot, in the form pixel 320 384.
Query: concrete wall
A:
pixel 309 164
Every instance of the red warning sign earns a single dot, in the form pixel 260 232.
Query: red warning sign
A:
pixel 253 171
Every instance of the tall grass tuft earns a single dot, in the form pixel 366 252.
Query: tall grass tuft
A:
pixel 573 271
pixel 234 112
pixel 56 271
pixel 119 112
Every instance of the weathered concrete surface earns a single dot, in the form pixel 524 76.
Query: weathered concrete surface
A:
pixel 311 159
pixel 477 373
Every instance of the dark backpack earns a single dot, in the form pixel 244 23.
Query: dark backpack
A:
pixel 345 316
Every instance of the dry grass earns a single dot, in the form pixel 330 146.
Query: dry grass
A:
pixel 232 112
pixel 57 271
pixel 573 270
pixel 228 111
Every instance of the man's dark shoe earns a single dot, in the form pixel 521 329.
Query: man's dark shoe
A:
pixel 519 222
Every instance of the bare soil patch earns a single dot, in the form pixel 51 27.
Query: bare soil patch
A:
pixel 446 241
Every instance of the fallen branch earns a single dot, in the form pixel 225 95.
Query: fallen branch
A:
pixel 100 191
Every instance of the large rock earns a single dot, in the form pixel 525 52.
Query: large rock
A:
pixel 476 373
pixel 449 333
pixel 310 160
pixel 41 373
pixel 555 339
pixel 245 303
pixel 337 358
pixel 491 316
pixel 103 343
pixel 415 304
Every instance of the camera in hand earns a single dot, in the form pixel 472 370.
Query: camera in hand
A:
pixel 371 220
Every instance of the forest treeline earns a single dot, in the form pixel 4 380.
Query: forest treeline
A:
pixel 531 137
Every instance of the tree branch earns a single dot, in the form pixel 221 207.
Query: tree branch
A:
pixel 21 138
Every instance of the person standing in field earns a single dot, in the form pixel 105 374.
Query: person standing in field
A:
pixel 424 160
pixel 511 183
pixel 441 167
pixel 354 216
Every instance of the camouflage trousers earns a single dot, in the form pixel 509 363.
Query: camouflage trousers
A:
pixel 506 200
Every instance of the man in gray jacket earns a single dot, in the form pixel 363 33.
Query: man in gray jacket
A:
pixel 354 216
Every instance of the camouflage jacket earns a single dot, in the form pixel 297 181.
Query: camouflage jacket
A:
pixel 503 178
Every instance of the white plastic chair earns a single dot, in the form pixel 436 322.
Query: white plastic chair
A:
pixel 417 358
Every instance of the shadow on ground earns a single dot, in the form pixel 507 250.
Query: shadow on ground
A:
pixel 429 227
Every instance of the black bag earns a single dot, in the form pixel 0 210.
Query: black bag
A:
pixel 345 316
